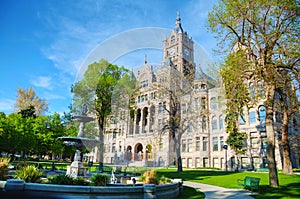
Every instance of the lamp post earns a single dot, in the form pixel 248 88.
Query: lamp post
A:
pixel 225 147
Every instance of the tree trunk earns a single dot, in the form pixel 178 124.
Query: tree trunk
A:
pixel 101 138
pixel 178 154
pixel 287 166
pixel 273 175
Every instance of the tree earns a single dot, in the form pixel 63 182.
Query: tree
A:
pixel 26 99
pixel 176 94
pixel 96 90
pixel 234 73
pixel 268 31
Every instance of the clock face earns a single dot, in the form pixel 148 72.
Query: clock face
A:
pixel 186 52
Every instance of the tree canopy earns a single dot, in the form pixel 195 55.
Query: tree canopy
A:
pixel 268 32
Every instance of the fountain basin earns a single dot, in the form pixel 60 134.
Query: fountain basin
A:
pixel 170 191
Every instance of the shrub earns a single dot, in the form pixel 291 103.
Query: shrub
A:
pixel 99 179
pixel 61 179
pixel 4 167
pixel 80 181
pixel 29 174
pixel 151 177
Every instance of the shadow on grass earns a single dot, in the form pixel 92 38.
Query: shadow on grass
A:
pixel 190 175
pixel 190 193
pixel 291 190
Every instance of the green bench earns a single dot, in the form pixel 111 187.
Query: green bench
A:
pixel 250 183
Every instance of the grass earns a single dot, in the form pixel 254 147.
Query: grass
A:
pixel 289 184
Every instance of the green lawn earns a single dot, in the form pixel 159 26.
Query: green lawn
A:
pixel 289 184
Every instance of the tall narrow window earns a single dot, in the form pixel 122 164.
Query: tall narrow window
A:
pixel 196 103
pixel 203 103
pixel 198 142
pixel 213 102
pixel 221 122
pixel 262 114
pixel 203 124
pixel 214 123
pixel 215 144
pixel 205 140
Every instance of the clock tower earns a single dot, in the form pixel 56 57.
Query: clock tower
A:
pixel 179 51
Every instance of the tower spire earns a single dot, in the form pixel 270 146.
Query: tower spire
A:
pixel 178 27
pixel 145 59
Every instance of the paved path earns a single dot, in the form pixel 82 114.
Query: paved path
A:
pixel 213 192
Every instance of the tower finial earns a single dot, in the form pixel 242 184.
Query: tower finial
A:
pixel 178 27
pixel 145 59
pixel 178 14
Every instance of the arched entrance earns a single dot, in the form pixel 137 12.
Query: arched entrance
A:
pixel 138 151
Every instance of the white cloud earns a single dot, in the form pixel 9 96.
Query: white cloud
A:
pixel 7 105
pixel 42 81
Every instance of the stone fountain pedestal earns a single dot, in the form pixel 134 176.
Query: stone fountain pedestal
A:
pixel 77 168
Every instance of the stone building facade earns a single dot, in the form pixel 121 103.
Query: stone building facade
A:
pixel 141 139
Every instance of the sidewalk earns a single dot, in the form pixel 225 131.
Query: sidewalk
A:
pixel 213 192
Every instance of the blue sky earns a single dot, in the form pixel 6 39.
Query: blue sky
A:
pixel 46 44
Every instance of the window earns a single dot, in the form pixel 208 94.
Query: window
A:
pixel 252 117
pixel 198 142
pixel 213 101
pixel 245 145
pixel 196 103
pixel 203 124
pixel 245 164
pixel 262 114
pixel 183 145
pixel 261 91
pixel 203 86
pixel 221 122
pixel 190 145
pixel 153 95
pixel 214 123
pixel 264 143
pixel 205 162
pixel 198 123
pixel 160 107
pixel 183 108
pixel 242 120
pixel 164 106
pixel 215 144
pixel 222 142
pixel 256 162
pixel 254 142
pixel 204 147
pixel 216 162
pixel 190 127
pixel 203 103
pixel 139 99
pixel 113 148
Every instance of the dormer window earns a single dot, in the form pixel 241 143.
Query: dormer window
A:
pixel 172 39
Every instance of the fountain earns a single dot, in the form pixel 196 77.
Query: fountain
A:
pixel 76 168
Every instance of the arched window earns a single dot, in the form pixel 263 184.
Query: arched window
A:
pixel 214 123
pixel 262 114
pixel 221 122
